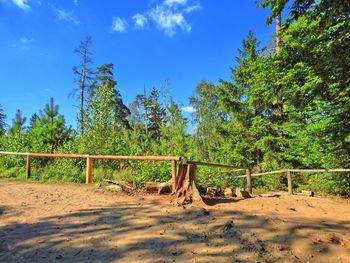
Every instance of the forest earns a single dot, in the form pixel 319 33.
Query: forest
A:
pixel 286 105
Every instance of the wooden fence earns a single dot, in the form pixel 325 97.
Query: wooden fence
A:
pixel 173 159
pixel 289 172
pixel 89 158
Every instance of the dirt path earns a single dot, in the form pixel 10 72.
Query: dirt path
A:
pixel 78 223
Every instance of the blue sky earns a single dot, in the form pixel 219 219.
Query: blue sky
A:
pixel 148 41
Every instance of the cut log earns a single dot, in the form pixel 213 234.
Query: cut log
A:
pixel 114 188
pixel 159 187
pixel 186 190
pixel 124 185
pixel 307 193
pixel 241 193
pixel 228 193
pixel 212 191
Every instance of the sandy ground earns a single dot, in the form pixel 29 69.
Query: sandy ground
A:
pixel 79 223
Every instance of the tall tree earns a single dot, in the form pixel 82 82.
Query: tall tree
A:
pixel 105 76
pixel 33 120
pixel 49 131
pixel 155 114
pixel 247 103
pixel 2 121
pixel 174 133
pixel 18 123
pixel 83 74
pixel 279 94
pixel 207 120
pixel 315 58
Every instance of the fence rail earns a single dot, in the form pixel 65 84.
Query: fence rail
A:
pixel 173 160
pixel 216 165
pixel 89 159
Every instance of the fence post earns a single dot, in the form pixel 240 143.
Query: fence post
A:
pixel 88 170
pixel 249 180
pixel 290 186
pixel 173 175
pixel 28 167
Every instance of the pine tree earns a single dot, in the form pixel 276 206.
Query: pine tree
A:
pixel 49 130
pixel 18 123
pixel 2 121
pixel 105 76
pixel 33 120
pixel 156 114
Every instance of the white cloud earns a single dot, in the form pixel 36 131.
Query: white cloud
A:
pixel 26 40
pixel 175 2
pixel 188 109
pixel 140 20
pixel 192 8
pixel 66 16
pixel 22 4
pixel 23 43
pixel 75 2
pixel 119 24
pixel 168 16
pixel 168 20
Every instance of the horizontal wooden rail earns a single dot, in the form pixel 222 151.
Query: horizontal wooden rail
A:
pixel 319 170
pixel 13 153
pixel 234 171
pixel 299 171
pixel 107 157
pixel 137 158
pixel 215 165
pixel 58 155
pixel 89 159
pixel 272 172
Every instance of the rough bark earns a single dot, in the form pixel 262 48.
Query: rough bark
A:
pixel 186 190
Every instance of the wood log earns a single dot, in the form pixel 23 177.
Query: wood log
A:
pixel 114 188
pixel 241 193
pixel 186 190
pixel 123 184
pixel 307 193
pixel 212 191
pixel 159 187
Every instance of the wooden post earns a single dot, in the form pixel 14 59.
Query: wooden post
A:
pixel 290 185
pixel 88 170
pixel 173 175
pixel 249 180
pixel 28 167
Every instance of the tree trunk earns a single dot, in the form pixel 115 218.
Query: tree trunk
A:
pixel 82 88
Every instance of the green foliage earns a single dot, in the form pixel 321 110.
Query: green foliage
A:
pixel 48 131
pixel 18 123
pixel 207 119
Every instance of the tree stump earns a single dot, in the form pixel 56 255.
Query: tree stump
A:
pixel 186 190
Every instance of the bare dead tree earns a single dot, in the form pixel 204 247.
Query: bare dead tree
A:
pixel 83 74
pixel 279 95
